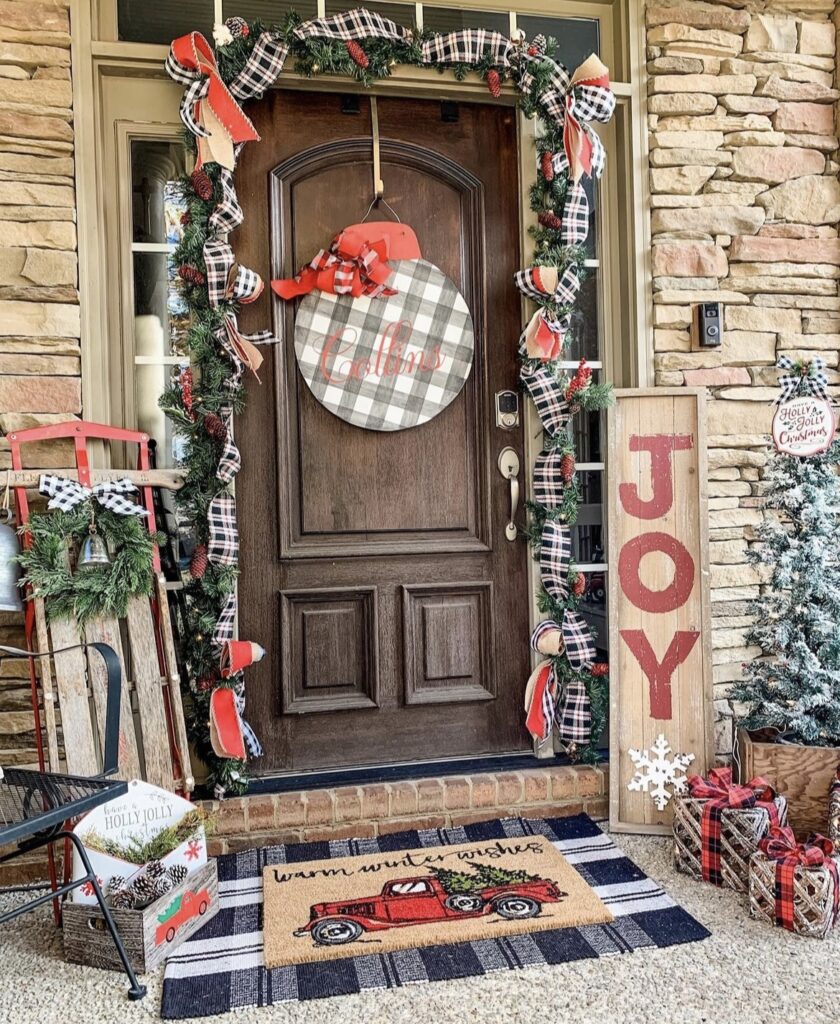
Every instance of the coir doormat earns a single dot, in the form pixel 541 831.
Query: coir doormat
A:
pixel 379 903
pixel 222 967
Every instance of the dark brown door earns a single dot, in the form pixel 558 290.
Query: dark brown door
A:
pixel 375 568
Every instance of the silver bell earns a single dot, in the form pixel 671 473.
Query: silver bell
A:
pixel 94 552
pixel 10 600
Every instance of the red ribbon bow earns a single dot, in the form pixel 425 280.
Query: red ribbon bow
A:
pixel 781 846
pixel 351 266
pixel 720 793
pixel 208 109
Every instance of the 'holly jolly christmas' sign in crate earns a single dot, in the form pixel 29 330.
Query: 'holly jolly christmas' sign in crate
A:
pixel 660 664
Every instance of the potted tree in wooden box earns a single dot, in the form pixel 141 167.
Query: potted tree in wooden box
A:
pixel 788 701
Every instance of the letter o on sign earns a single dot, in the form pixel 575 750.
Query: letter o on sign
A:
pixel 629 561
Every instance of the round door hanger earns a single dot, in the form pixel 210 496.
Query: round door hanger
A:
pixel 803 426
pixel 389 361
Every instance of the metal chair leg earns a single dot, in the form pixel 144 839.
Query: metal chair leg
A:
pixel 136 991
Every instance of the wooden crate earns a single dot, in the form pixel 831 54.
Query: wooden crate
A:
pixel 802 774
pixel 147 940
pixel 741 829
pixel 813 901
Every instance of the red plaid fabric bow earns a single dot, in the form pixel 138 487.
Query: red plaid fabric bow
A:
pixel 781 846
pixel 720 793
pixel 208 108
pixel 351 266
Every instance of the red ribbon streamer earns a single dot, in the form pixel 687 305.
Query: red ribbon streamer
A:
pixel 351 266
pixel 781 846
pixel 720 792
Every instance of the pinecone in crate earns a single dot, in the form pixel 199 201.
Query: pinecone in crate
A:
pixel 178 872
pixel 163 885
pixel 143 889
pixel 123 899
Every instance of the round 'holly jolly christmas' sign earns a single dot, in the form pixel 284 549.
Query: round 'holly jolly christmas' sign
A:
pixel 387 361
pixel 803 426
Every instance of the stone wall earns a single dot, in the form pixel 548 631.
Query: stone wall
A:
pixel 39 310
pixel 744 210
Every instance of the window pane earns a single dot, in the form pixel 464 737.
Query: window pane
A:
pixel 269 12
pixel 576 38
pixel 446 19
pixel 583 336
pixel 156 208
pixel 143 22
pixel 402 14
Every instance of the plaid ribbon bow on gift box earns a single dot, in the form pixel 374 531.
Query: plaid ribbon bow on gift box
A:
pixel 720 794
pixel 781 846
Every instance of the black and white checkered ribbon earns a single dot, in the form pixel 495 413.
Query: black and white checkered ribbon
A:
pixel 65 494
pixel 544 389
pixel 575 218
pixel 809 379
pixel 230 461
pixel 227 279
pixel 467 47
pixel 564 293
pixel 223 540
pixel 574 714
pixel 356 24
pixel 262 67
pixel 226 621
pixel 251 742
pixel 555 559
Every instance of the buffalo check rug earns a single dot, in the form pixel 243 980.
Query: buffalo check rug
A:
pixel 221 967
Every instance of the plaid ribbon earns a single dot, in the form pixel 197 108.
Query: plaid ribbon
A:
pixel 230 461
pixel 262 67
pixel 228 213
pixel 350 266
pixel 241 348
pixel 209 109
pixel 808 378
pixel 467 47
pixel 223 543
pixel 226 279
pixel 547 395
pixel 541 283
pixel 575 224
pixel 251 742
pixel 356 24
pixel 781 846
pixel 66 494
pixel 574 716
pixel 721 793
pixel 225 623
pixel 543 337
pixel 542 629
pixel 555 560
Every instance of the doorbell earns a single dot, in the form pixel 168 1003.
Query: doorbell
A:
pixel 707 325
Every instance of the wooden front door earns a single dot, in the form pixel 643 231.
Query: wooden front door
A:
pixel 374 566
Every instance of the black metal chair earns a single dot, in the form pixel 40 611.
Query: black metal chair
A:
pixel 34 805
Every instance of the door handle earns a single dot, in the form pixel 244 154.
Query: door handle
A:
pixel 508 464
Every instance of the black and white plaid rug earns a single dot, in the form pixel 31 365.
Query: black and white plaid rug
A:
pixel 221 968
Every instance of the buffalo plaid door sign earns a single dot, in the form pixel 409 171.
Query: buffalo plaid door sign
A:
pixel 388 361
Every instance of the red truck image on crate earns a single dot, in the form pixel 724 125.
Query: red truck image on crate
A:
pixel 182 909
pixel 423 900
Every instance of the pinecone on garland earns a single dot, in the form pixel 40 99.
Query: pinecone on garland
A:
pixel 549 219
pixel 177 873
pixel 215 426
pixel 238 27
pixel 599 668
pixel 191 275
pixel 198 562
pixel 205 683
pixel 567 468
pixel 186 217
pixel 538 46
pixel 547 166
pixel 494 83
pixel 579 585
pixel 202 185
pixel 357 54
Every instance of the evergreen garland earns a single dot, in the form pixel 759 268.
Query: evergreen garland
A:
pixel 95 590
pixel 211 369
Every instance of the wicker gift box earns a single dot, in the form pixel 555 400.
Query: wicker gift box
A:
pixel 812 899
pixel 150 934
pixel 741 830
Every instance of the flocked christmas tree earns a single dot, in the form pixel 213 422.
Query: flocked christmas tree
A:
pixel 794 686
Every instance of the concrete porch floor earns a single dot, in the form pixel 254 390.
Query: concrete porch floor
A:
pixel 746 972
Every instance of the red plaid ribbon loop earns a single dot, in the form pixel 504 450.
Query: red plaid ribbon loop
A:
pixel 351 266
pixel 208 108
pixel 781 846
pixel 721 793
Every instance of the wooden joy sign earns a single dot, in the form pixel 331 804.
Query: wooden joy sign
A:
pixel 660 662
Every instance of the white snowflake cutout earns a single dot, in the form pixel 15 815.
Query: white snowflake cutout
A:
pixel 655 772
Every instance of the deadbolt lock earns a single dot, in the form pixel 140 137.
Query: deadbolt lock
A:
pixel 507 410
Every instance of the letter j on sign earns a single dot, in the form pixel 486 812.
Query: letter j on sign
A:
pixel 660 651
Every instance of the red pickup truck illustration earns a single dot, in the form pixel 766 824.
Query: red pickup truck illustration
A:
pixel 182 909
pixel 410 901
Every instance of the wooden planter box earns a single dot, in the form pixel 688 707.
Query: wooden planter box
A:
pixel 802 774
pixel 148 940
